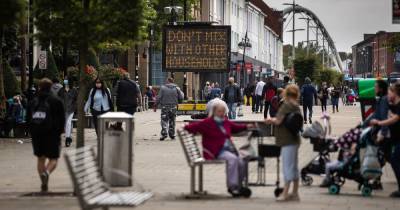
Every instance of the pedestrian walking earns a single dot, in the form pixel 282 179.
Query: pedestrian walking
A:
pixel 232 97
pixel 99 101
pixel 216 132
pixel 335 95
pixel 288 142
pixel 285 83
pixel 46 117
pixel 323 96
pixel 206 91
pixel 269 91
pixel 308 98
pixel 215 92
pixel 128 95
pixel 68 95
pixel 168 98
pixel 394 126
pixel 56 86
pixel 276 102
pixel 259 96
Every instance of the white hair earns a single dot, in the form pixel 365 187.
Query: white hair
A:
pixel 216 102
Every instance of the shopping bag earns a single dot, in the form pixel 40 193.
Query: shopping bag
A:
pixel 240 111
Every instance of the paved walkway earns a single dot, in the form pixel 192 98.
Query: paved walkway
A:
pixel 161 168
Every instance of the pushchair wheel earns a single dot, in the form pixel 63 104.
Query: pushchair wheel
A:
pixel 245 192
pixel 278 191
pixel 307 180
pixel 366 190
pixel 334 189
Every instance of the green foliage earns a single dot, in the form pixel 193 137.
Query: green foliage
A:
pixel 305 67
pixel 394 42
pixel 51 72
pixel 11 85
pixel 93 60
pixel 11 11
pixel 329 76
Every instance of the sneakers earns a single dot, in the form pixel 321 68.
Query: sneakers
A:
pixel 163 138
pixel 243 192
pixel 44 178
pixel 68 141
pixel 395 194
pixel 294 197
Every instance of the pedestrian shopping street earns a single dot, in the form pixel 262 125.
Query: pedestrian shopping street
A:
pixel 162 168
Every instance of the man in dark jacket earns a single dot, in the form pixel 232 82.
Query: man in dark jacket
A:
pixel 46 118
pixel 308 98
pixel 232 97
pixel 128 95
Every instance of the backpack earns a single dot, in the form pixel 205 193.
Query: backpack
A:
pixel 270 93
pixel 294 122
pixel 41 119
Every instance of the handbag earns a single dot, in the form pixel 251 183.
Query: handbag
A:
pixel 247 151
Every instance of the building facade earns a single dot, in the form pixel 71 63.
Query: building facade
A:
pixel 263 27
pixel 372 57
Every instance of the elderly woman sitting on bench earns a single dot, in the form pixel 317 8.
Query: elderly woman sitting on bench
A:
pixel 216 133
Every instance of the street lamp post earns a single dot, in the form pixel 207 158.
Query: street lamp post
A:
pixel 308 34
pixel 293 28
pixel 245 43
pixel 174 11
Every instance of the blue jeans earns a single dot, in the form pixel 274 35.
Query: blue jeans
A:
pixel 232 110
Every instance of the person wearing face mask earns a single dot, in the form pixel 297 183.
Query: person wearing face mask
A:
pixel 216 132
pixel 99 101
pixel 68 95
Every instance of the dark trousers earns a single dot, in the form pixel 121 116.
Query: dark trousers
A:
pixel 253 103
pixel 95 115
pixel 395 162
pixel 259 103
pixel 267 106
pixel 307 107
pixel 335 104
pixel 323 104
pixel 127 109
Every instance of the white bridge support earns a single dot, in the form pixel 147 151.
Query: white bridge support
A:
pixel 321 27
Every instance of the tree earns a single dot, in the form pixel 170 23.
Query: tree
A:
pixel 10 12
pixel 86 24
pixel 10 81
pixel 305 67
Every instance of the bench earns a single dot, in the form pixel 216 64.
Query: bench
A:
pixel 195 160
pixel 90 188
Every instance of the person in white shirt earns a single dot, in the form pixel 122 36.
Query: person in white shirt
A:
pixel 259 96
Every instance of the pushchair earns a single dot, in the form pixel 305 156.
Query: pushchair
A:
pixel 319 138
pixel 362 168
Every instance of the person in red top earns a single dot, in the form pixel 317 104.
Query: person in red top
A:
pixel 216 133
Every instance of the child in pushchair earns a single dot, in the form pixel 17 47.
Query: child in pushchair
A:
pixel 319 138
pixel 354 164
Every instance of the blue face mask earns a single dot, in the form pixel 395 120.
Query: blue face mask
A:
pixel 65 82
pixel 218 119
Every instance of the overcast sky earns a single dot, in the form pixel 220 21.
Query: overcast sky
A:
pixel 345 20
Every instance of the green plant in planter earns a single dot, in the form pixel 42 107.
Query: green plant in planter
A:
pixel 11 85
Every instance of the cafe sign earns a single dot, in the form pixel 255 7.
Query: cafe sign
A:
pixel 196 48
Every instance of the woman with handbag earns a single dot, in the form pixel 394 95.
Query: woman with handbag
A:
pixel 288 140
pixel 216 131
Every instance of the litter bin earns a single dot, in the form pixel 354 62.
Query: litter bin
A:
pixel 366 96
pixel 115 148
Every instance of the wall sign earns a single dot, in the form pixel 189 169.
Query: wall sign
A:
pixel 196 48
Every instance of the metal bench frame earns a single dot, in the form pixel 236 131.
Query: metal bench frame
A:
pixel 195 160
pixel 89 185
